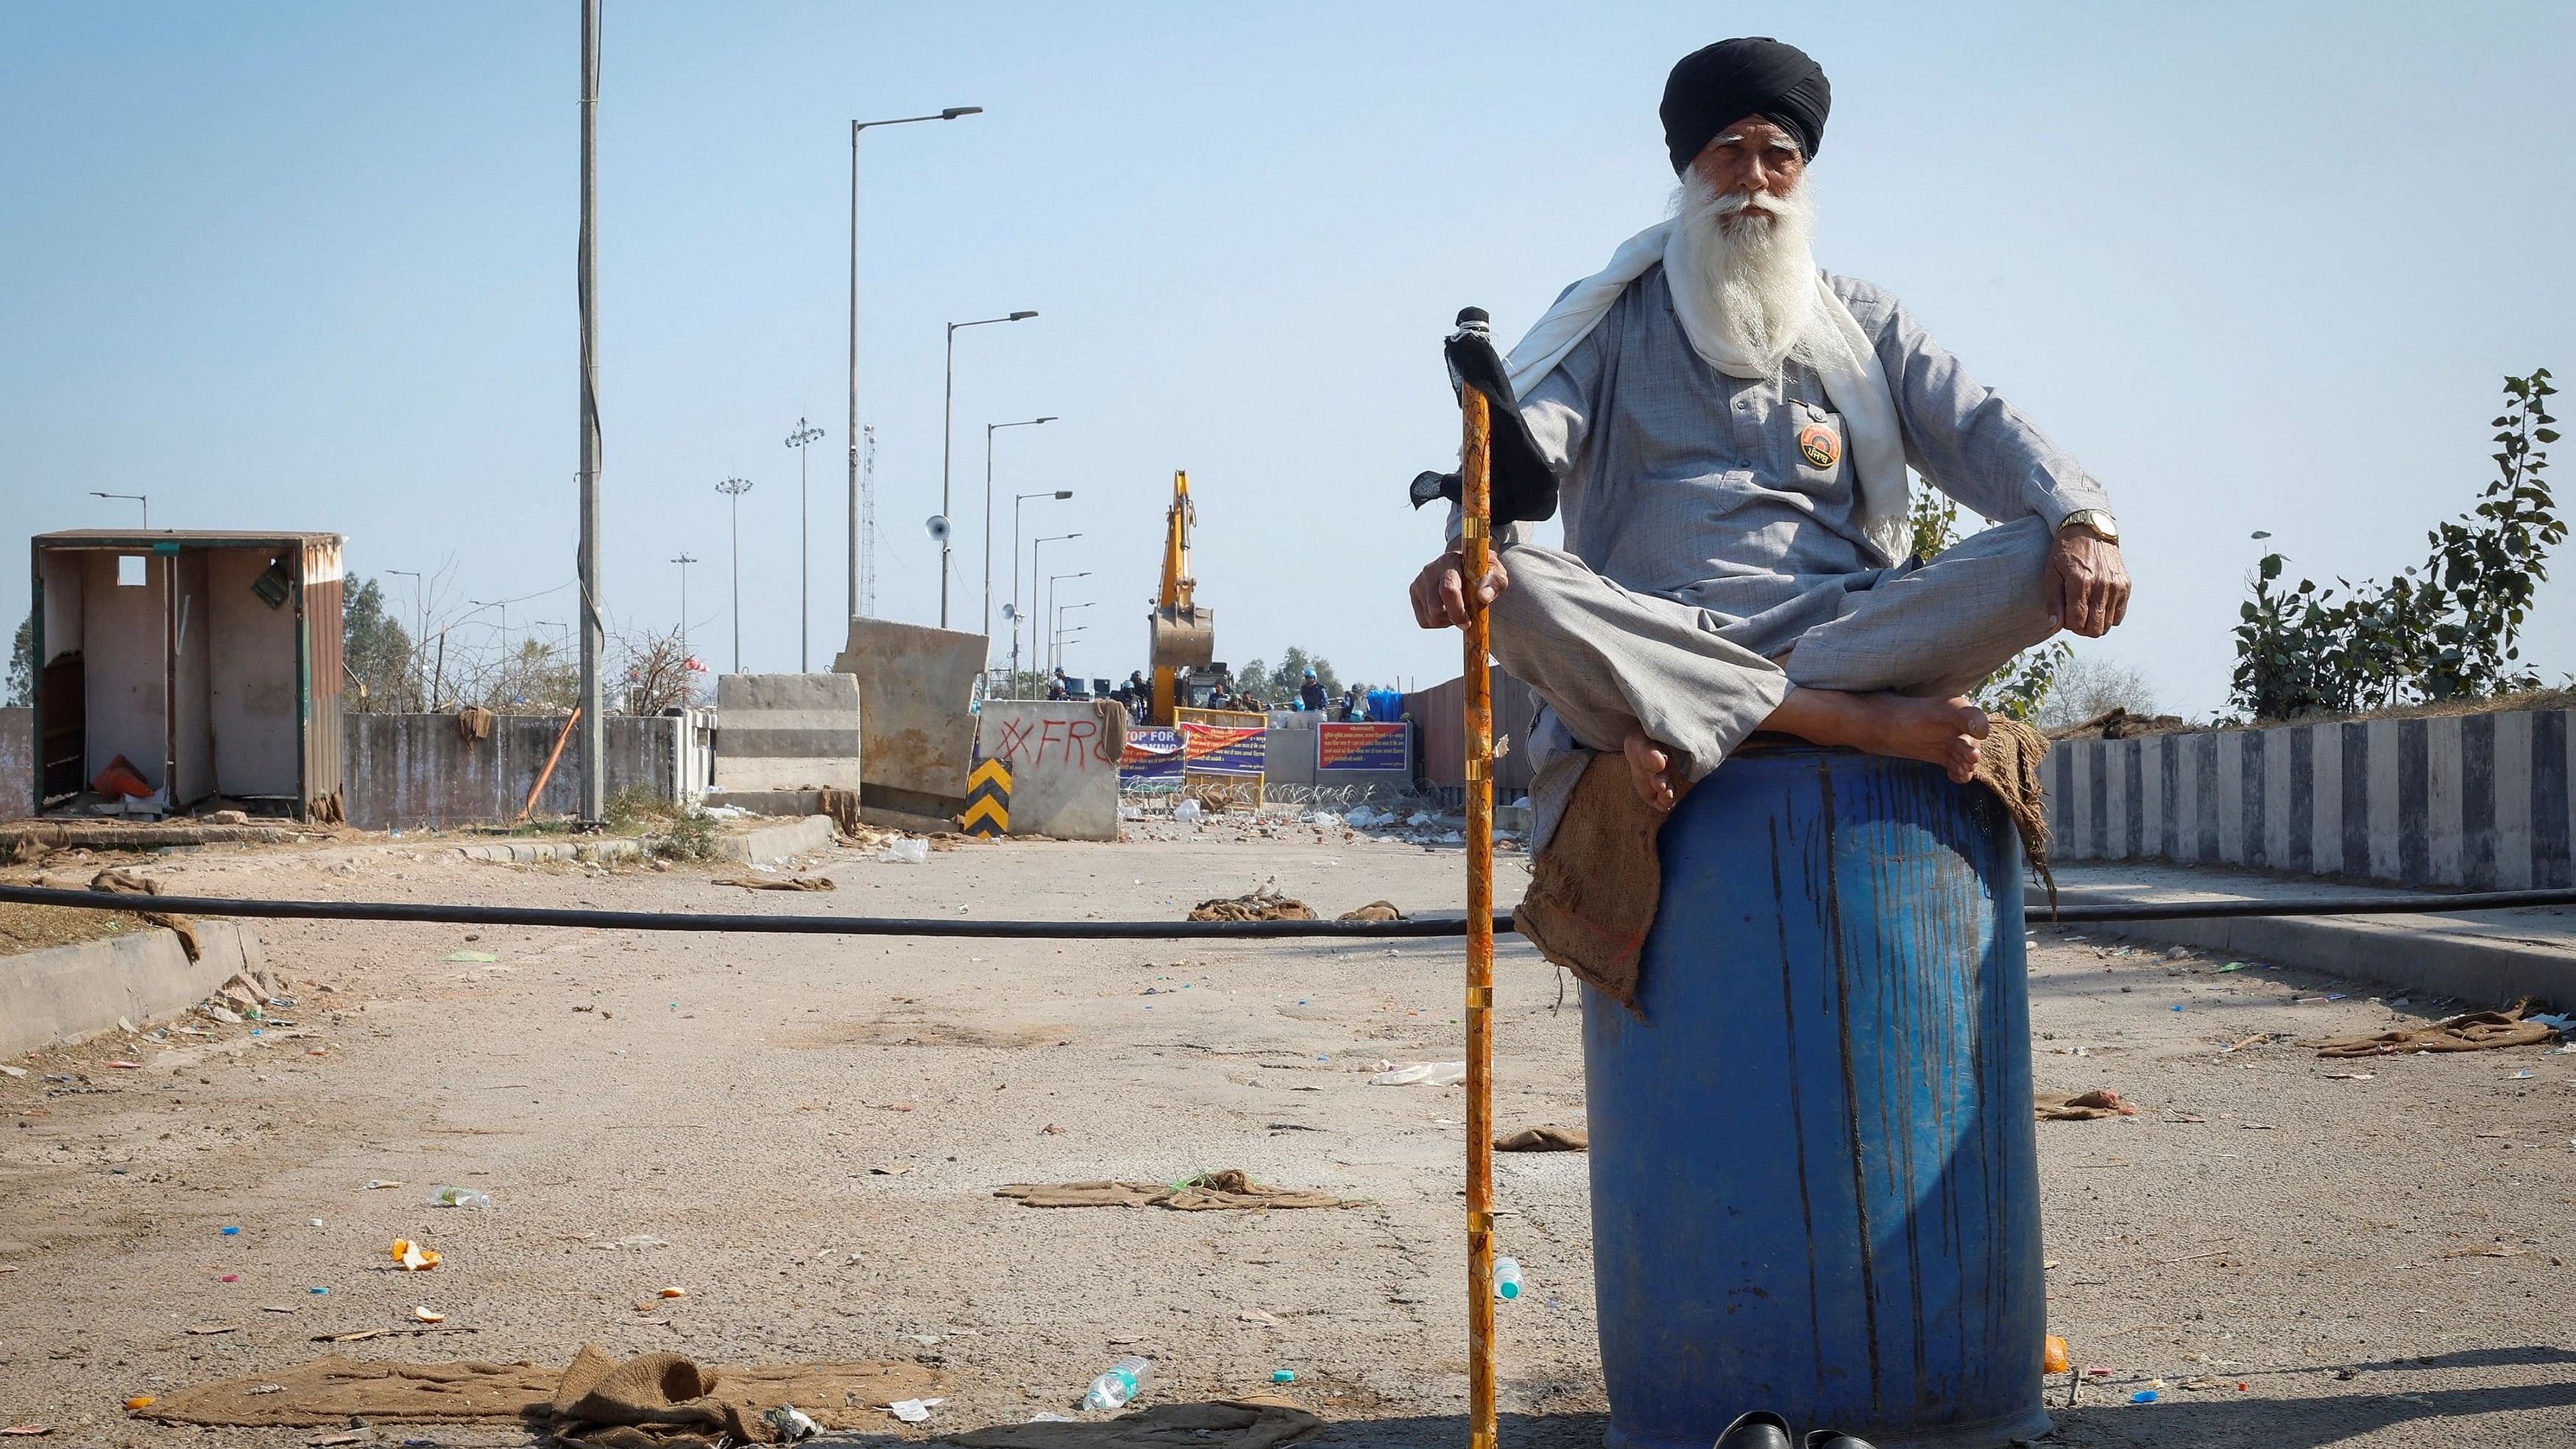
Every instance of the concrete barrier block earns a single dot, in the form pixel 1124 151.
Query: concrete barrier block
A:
pixel 788 732
pixel 1060 784
pixel 918 737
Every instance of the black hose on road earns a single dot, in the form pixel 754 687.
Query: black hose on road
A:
pixel 1418 927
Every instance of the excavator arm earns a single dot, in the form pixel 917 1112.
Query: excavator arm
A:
pixel 1181 634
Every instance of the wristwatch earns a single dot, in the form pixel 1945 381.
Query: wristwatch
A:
pixel 2099 520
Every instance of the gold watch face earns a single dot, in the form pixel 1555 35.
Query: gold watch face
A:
pixel 2096 520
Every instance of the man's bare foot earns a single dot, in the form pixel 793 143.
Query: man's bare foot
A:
pixel 1651 770
pixel 1941 732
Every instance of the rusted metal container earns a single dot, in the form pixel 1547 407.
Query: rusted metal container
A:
pixel 1815 1181
pixel 210 661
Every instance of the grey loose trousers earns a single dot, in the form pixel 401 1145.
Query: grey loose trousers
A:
pixel 1607 659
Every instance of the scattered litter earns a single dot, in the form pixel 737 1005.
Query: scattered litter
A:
pixel 425 1314
pixel 8 1070
pixel 1433 1074
pixel 781 882
pixel 791 1423
pixel 232 1232
pixel 1189 812
pixel 28 1431
pixel 375 1184
pixel 141 1401
pixel 2143 1396
pixel 464 1197
pixel 2523 1076
pixel 1202 1192
pixel 413 1257
pixel 2052 1355
pixel 1120 1383
pixel 209 1330
pixel 2230 966
pixel 1283 1376
pixel 1255 1315
pixel 2352 1076
pixel 2475 1031
pixel 674 1293
pixel 2081 1107
pixel 125 1066
pixel 1507 1278
pixel 913 1411
pixel 1546 1139
pixel 229 1278
pixel 905 852
pixel 483 956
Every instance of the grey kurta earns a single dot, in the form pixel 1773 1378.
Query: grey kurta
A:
pixel 1703 540
pixel 1682 482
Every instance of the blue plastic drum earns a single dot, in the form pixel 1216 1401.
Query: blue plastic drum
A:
pixel 1815 1181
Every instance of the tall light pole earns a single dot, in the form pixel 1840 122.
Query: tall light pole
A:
pixel 1016 611
pixel 1065 609
pixel 947 431
pixel 1064 637
pixel 419 612
pixel 989 430
pixel 592 728
pixel 1045 603
pixel 734 488
pixel 684 560
pixel 950 114
pixel 804 435
pixel 1037 588
pixel 143 498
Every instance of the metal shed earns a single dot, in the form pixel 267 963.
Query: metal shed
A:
pixel 209 660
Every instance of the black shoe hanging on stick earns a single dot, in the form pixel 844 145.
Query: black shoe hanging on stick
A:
pixel 1759 1429
pixel 1834 1439
pixel 1524 485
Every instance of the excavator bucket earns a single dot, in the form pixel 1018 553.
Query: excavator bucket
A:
pixel 1183 638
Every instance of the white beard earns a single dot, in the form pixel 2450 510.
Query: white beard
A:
pixel 1749 261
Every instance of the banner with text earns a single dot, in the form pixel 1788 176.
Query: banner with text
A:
pixel 1152 757
pixel 1362 747
pixel 1224 749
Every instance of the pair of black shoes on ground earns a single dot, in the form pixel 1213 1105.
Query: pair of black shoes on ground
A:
pixel 1762 1429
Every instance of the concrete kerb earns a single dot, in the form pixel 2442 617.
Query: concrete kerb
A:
pixel 65 993
pixel 532 852
pixel 2482 958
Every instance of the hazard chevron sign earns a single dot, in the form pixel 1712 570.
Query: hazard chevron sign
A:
pixel 988 800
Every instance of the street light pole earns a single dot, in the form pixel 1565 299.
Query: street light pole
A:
pixel 143 498
pixel 593 730
pixel 950 114
pixel 684 561
pixel 989 430
pixel 734 488
pixel 1044 603
pixel 1059 620
pixel 1037 588
pixel 804 435
pixel 1016 501
pixel 947 435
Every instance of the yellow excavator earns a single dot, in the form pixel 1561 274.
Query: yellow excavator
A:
pixel 1183 631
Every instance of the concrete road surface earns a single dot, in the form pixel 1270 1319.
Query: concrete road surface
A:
pixel 804 1134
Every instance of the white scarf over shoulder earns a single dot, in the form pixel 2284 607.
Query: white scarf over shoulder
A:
pixel 1855 382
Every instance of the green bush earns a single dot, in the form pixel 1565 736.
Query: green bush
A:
pixel 2447 630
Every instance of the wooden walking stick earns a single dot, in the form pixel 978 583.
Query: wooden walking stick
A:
pixel 1475 537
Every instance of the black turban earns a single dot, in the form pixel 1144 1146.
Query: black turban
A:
pixel 1716 86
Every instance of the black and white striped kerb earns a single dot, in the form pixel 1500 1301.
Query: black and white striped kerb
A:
pixel 2466 800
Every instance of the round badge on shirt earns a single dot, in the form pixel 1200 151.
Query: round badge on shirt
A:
pixel 1820 445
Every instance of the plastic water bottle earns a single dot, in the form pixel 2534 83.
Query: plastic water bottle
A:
pixel 460 1197
pixel 1507 1278
pixel 1120 1386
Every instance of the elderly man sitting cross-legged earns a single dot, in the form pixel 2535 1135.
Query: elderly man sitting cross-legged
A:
pixel 1730 430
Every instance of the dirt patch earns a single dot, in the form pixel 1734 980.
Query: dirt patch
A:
pixel 898 1032
pixel 33 928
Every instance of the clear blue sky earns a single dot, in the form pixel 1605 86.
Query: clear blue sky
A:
pixel 310 266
